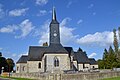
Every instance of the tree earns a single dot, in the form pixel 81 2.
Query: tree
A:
pixel 11 64
pixel 3 62
pixel 105 57
pixel 0 54
pixel 45 44
pixel 100 64
pixel 115 42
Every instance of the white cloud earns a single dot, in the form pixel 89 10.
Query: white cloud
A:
pixel 2 13
pixel 92 55
pixel 66 33
pixel 1 48
pixel 69 3
pixel 41 2
pixel 9 29
pixel 90 6
pixel 14 55
pixel 94 13
pixel 18 12
pixel 42 13
pixel 100 39
pixel 44 33
pixel 80 21
pixel 26 27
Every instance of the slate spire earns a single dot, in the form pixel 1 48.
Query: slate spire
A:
pixel 54 14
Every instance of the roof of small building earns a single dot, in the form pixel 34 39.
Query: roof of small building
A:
pixel 36 53
pixel 23 59
pixel 92 61
pixel 81 57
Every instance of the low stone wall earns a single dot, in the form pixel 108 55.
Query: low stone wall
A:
pixel 75 76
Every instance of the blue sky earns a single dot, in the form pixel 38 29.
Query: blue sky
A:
pixel 83 23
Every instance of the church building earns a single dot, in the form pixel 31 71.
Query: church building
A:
pixel 55 57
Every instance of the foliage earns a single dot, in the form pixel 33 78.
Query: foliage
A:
pixel 45 44
pixel 7 64
pixel 111 58
pixel 11 64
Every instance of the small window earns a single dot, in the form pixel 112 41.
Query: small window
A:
pixel 39 66
pixel 23 68
pixel 93 67
pixel 56 62
pixel 83 65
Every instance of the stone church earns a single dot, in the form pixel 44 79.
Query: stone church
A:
pixel 55 57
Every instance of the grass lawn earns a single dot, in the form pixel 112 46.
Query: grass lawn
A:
pixel 16 78
pixel 115 78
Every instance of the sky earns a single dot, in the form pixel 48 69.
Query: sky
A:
pixel 87 24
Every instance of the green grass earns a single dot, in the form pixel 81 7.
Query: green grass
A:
pixel 16 78
pixel 115 78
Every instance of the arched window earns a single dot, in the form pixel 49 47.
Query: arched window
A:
pixel 56 62
pixel 23 68
pixel 39 66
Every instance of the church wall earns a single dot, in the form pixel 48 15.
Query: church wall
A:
pixel 21 68
pixel 33 66
pixel 64 62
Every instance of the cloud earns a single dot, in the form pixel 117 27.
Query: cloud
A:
pixel 26 27
pixel 2 13
pixel 65 32
pixel 41 2
pixel 100 39
pixel 1 49
pixel 9 29
pixel 80 21
pixel 42 13
pixel 14 55
pixel 92 55
pixel 69 3
pixel 94 13
pixel 90 6
pixel 18 12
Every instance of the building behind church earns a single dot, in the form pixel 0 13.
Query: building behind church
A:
pixel 55 57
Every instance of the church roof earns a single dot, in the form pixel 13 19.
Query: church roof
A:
pixel 92 61
pixel 56 48
pixel 23 59
pixel 36 53
pixel 81 57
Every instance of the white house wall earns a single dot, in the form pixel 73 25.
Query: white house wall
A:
pixel 20 66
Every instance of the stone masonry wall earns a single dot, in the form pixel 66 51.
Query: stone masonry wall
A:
pixel 75 76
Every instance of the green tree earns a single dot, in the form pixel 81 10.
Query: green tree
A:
pixel 3 62
pixel 100 64
pixel 105 56
pixel 45 44
pixel 115 42
pixel 11 64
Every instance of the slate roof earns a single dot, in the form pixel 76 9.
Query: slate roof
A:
pixel 36 53
pixel 23 59
pixel 81 57
pixel 92 61
pixel 56 48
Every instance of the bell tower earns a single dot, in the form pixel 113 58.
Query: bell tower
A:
pixel 54 29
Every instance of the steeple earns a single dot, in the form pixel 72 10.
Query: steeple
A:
pixel 54 19
pixel 53 14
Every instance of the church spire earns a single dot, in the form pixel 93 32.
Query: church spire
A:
pixel 54 14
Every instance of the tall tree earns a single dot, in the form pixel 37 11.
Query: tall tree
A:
pixel 11 64
pixel 115 42
pixel 105 57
